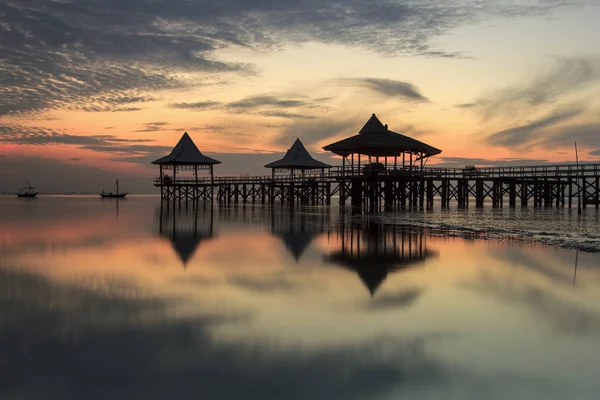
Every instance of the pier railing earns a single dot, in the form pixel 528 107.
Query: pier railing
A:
pixel 550 171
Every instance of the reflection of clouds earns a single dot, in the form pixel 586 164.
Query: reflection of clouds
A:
pixel 47 245
pixel 403 298
pixel 148 358
pixel 264 284
pixel 564 316
pixel 60 342
pixel 525 259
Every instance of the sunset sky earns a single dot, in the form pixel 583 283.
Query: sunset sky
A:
pixel 91 90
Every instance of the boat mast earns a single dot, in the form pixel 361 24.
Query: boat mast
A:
pixel 117 186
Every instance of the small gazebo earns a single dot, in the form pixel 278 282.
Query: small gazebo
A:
pixel 375 140
pixel 297 158
pixel 185 156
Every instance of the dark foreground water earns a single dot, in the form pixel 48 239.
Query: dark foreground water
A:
pixel 107 300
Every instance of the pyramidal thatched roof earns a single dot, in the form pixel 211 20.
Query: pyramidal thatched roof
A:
pixel 186 153
pixel 297 157
pixel 377 140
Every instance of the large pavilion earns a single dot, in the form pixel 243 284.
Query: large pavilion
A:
pixel 376 141
pixel 297 158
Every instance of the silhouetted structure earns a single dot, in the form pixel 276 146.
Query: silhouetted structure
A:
pixel 374 250
pixel 304 177
pixel 186 229
pixel 373 183
pixel 404 183
pixel 185 157
pixel 375 140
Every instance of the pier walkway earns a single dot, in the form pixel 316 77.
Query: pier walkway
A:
pixel 540 186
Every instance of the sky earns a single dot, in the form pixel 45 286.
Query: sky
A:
pixel 91 90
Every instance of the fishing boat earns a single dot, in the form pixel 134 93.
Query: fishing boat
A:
pixel 27 191
pixel 117 195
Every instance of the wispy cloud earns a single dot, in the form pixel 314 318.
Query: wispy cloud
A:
pixel 389 88
pixel 266 105
pixel 529 133
pixel 16 134
pixel 196 106
pixel 565 79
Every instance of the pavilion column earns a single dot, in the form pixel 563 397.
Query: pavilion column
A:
pixel 195 189
pixel 174 185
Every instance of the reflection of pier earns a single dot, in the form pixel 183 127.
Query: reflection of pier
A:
pixel 186 229
pixel 373 250
pixel 298 229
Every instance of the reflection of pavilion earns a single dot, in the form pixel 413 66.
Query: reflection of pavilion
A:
pixel 186 229
pixel 373 250
pixel 298 229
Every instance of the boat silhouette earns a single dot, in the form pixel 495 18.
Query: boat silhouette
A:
pixel 27 191
pixel 117 195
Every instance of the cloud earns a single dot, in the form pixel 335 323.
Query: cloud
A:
pixel 312 132
pixel 465 105
pixel 267 105
pixel 23 135
pixel 60 54
pixel 196 106
pixel 255 102
pixel 285 114
pixel 528 133
pixel 153 127
pixel 388 87
pixel 585 134
pixel 568 76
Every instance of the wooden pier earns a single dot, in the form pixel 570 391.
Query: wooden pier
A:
pixel 537 186
pixel 380 169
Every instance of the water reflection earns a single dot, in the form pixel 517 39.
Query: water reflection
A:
pixel 297 230
pixel 373 250
pixel 186 229
pixel 93 306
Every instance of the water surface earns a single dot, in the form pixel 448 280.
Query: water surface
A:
pixel 106 299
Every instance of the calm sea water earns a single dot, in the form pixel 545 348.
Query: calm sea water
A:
pixel 125 300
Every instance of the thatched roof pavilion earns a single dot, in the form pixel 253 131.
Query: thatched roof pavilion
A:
pixel 185 156
pixel 297 158
pixel 376 140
